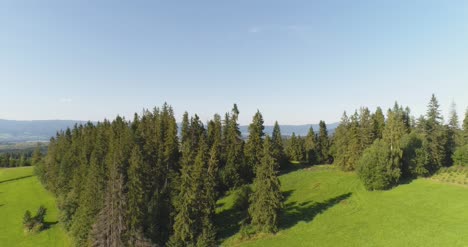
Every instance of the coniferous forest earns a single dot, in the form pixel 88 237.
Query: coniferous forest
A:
pixel 148 182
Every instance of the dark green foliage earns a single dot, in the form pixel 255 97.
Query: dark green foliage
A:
pixel 323 145
pixel 254 146
pixel 454 136
pixel 435 136
pixel 341 144
pixel 266 199
pixel 28 220
pixel 295 149
pixel 353 136
pixel 193 224
pixel 376 168
pixel 310 147
pixel 414 159
pixel 136 206
pixel 378 119
pixel 231 173
pixel 460 157
pixel 36 223
pixel 277 145
pixel 465 128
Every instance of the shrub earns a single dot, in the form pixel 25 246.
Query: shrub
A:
pixel 36 223
pixel 460 157
pixel 28 220
pixel 377 168
pixel 414 160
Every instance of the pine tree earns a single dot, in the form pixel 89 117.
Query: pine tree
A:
pixel 111 224
pixel 378 119
pixel 323 144
pixel 366 128
pixel 435 136
pixel 254 145
pixel 465 128
pixel 310 145
pixel 231 173
pixel 453 133
pixel 354 144
pixel 192 218
pixel 136 207
pixel 266 200
pixel 277 145
pixel 341 144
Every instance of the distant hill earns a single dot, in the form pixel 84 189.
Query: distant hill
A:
pixel 287 130
pixel 12 131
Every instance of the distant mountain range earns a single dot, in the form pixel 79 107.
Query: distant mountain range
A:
pixel 287 130
pixel 12 131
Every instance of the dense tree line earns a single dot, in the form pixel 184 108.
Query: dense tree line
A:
pixel 385 150
pixel 18 158
pixel 144 183
pixel 313 149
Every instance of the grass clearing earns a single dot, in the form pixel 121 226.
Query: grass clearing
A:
pixel 328 207
pixel 20 190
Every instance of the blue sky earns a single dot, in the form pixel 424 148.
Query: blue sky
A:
pixel 296 61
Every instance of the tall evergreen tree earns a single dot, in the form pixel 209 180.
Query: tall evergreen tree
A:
pixel 366 128
pixel 453 133
pixel 254 145
pixel 310 145
pixel 136 203
pixel 266 199
pixel 435 135
pixel 231 173
pixel 341 144
pixel 323 144
pixel 277 145
pixel 378 119
pixel 465 128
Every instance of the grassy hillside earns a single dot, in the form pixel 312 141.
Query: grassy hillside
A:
pixel 326 207
pixel 21 191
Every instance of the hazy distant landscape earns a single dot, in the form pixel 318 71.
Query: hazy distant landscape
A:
pixel 13 131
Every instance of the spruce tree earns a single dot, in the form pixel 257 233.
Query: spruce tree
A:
pixel 453 133
pixel 266 200
pixel 277 145
pixel 465 128
pixel 435 135
pixel 310 145
pixel 231 173
pixel 323 144
pixel 136 207
pixel 341 144
pixel 254 146
pixel 378 119
pixel 366 128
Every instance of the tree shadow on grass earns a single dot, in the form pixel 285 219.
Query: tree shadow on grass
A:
pixel 290 167
pixel 49 224
pixel 14 179
pixel 229 222
pixel 294 212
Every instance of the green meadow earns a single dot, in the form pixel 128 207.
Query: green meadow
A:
pixel 327 207
pixel 323 207
pixel 20 190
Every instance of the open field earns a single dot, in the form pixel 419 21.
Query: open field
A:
pixel 327 207
pixel 21 191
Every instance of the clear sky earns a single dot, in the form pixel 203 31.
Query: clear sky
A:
pixel 295 61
